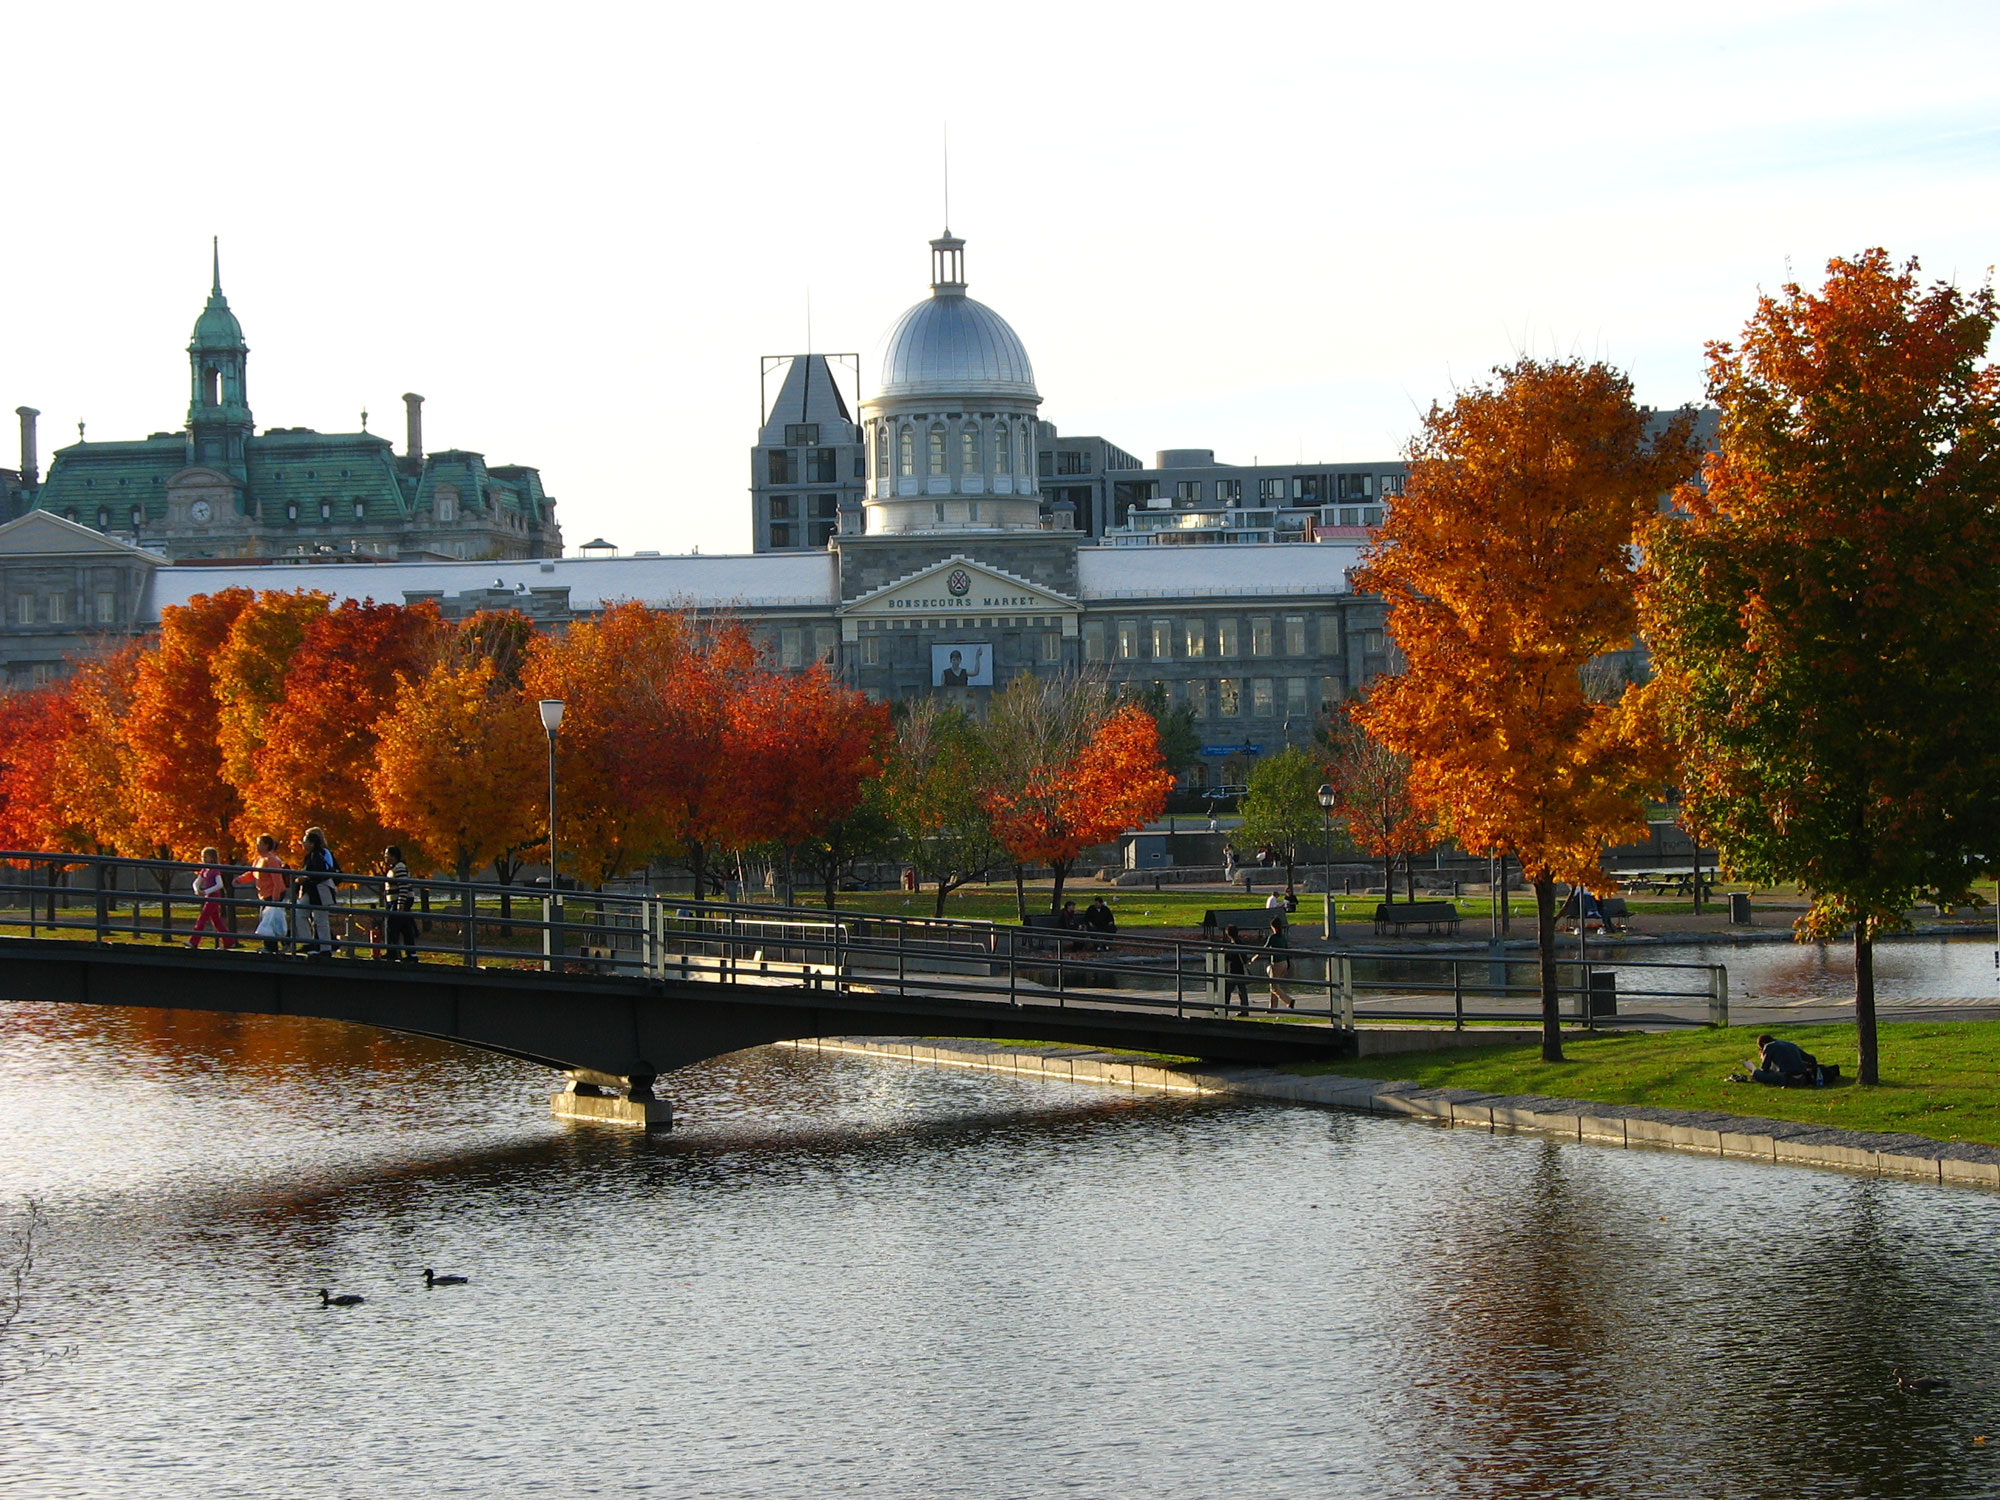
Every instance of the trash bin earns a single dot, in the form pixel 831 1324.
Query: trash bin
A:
pixel 1603 994
pixel 1739 908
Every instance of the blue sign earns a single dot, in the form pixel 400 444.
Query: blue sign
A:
pixel 1221 750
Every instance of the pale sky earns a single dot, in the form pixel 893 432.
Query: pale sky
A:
pixel 1276 231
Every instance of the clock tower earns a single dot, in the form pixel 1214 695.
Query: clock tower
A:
pixel 219 421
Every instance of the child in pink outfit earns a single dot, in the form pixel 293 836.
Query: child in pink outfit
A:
pixel 211 887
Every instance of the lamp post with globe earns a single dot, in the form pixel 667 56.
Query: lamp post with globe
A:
pixel 1326 801
pixel 552 943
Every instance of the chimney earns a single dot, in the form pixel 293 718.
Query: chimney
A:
pixel 413 406
pixel 30 468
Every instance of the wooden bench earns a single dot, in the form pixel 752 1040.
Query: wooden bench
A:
pixel 1432 914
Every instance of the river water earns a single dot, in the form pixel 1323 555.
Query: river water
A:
pixel 853 1277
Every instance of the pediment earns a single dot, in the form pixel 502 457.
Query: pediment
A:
pixel 200 477
pixel 959 585
pixel 46 534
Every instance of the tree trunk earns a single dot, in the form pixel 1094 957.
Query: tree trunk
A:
pixel 1021 895
pixel 1545 945
pixel 1410 879
pixel 700 867
pixel 944 889
pixel 1060 868
pixel 1388 880
pixel 1864 1003
pixel 832 879
pixel 1506 905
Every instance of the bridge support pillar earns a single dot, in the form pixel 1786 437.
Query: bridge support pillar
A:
pixel 611 1100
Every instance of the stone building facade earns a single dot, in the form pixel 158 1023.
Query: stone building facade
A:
pixel 219 488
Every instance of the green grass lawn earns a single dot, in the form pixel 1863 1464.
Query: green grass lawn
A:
pixel 1133 908
pixel 1938 1080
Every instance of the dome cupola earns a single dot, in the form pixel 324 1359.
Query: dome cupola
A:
pixel 950 424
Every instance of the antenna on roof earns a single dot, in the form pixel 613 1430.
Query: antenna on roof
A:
pixel 809 319
pixel 947 176
pixel 364 419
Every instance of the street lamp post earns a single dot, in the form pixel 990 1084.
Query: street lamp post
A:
pixel 552 943
pixel 1326 801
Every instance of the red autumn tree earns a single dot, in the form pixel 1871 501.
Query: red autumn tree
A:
pixel 317 763
pixel 803 746
pixel 34 726
pixel 1073 769
pixel 94 763
pixel 181 800
pixel 1824 607
pixel 1507 566
pixel 1371 789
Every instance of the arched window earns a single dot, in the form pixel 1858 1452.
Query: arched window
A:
pixel 291 510
pixel 326 510
pixel 882 449
pixel 360 509
pixel 1003 450
pixel 908 466
pixel 968 456
pixel 138 516
pixel 937 448
pixel 103 518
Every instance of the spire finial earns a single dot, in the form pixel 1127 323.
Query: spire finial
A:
pixel 215 250
pixel 947 179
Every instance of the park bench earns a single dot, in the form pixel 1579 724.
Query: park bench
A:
pixel 1432 914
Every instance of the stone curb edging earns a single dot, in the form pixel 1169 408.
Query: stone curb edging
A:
pixel 1707 1132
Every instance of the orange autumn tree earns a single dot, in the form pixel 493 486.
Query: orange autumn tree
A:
pixel 616 766
pixel 459 766
pixel 317 764
pixel 35 724
pixel 1072 768
pixel 1507 567
pixel 180 799
pixel 249 672
pixel 804 746
pixel 94 762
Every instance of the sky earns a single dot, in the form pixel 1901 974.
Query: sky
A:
pixel 1280 232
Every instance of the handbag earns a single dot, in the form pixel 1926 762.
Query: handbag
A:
pixel 272 923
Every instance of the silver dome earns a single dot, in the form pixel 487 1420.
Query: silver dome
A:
pixel 950 345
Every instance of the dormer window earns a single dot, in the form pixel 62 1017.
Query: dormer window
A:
pixel 291 510
pixel 138 516
pixel 360 509
pixel 326 510
pixel 103 518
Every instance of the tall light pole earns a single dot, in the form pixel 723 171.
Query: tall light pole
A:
pixel 1326 801
pixel 552 944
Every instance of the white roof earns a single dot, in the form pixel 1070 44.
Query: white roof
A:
pixel 763 581
pixel 1249 568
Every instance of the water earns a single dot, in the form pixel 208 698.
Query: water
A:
pixel 854 1277
pixel 1905 968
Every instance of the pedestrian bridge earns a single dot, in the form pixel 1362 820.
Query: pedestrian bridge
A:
pixel 614 989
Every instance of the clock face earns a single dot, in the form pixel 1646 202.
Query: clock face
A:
pixel 200 510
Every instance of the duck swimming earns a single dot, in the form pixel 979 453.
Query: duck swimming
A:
pixel 345 1299
pixel 431 1279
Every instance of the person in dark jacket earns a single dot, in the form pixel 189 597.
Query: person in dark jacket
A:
pixel 1236 955
pixel 1097 917
pixel 1784 1064
pixel 317 893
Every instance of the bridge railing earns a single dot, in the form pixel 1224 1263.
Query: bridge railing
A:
pixel 107 899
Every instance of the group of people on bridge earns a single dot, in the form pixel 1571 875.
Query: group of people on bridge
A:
pixel 296 906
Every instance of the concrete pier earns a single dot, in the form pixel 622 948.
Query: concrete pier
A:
pixel 608 1100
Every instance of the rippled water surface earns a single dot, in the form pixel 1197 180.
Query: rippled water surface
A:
pixel 845 1276
pixel 1905 969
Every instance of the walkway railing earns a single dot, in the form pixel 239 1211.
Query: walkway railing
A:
pixel 109 900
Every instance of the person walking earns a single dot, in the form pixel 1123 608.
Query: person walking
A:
pixel 1235 968
pixel 1278 962
pixel 398 896
pixel 317 892
pixel 211 887
pixel 267 875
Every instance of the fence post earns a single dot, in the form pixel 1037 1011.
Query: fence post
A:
pixel 1180 983
pixel 902 969
pixel 1457 998
pixel 103 904
pixel 471 935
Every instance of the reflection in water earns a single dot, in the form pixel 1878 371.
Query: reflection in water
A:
pixel 845 1276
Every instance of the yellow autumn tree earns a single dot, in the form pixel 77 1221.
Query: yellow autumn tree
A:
pixel 459 766
pixel 1507 565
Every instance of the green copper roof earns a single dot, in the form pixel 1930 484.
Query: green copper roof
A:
pixel 217 327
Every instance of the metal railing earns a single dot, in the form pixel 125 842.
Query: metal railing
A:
pixel 108 900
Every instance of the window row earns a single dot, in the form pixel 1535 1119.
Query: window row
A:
pixel 809 466
pixel 875 650
pixel 1256 697
pixel 973 448
pixel 54 609
pixel 1192 638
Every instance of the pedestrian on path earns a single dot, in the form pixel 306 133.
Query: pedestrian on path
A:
pixel 211 887
pixel 1236 969
pixel 267 875
pixel 398 897
pixel 317 893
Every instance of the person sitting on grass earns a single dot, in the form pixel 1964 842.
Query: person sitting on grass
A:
pixel 1783 1064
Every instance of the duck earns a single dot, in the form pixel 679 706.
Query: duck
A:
pixel 431 1279
pixel 345 1299
pixel 1921 1385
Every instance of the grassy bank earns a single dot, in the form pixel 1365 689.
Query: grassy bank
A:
pixel 1938 1080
